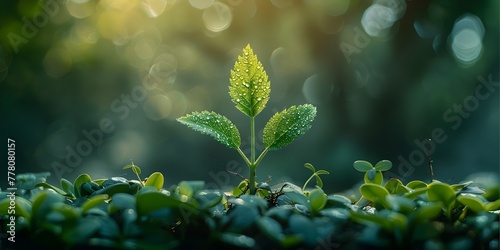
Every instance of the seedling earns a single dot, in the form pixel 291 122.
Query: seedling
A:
pixel 249 90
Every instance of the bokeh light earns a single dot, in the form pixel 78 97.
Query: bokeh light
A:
pixel 382 74
pixel 466 40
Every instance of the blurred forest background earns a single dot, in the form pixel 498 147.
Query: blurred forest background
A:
pixel 86 86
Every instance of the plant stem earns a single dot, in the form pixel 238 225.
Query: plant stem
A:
pixel 252 166
pixel 252 179
pixel 245 158
pixel 252 139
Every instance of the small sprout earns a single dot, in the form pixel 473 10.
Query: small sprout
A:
pixel 249 90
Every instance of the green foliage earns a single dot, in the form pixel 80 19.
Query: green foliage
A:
pixel 287 125
pixel 315 174
pixel 249 89
pixel 117 213
pixel 215 125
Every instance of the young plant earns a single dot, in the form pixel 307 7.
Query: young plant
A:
pixel 250 89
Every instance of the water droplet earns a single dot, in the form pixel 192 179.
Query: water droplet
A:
pixel 259 99
pixel 236 84
pixel 246 53
pixel 238 100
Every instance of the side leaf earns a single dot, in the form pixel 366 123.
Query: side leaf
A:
pixel 249 86
pixel 215 125
pixel 286 126
pixel 155 180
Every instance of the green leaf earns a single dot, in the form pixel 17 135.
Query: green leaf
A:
pixel 151 201
pixel 215 125
pixel 48 186
pixel 121 201
pixel 271 228
pixel 237 240
pixel 392 185
pixel 495 205
pixel 288 125
pixel 113 189
pixel 189 188
pixel 22 207
pixel 362 166
pixel 427 212
pixel 374 193
pixel 383 165
pixel 208 198
pixel 249 86
pixel 317 199
pixel 416 184
pixel 67 186
pixel 155 180
pixel 374 176
pixel 135 169
pixel 442 192
pixel 310 166
pixel 473 203
pixel 94 201
pixel 79 181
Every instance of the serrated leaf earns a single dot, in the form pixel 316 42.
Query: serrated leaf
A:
pixel 215 125
pixel 289 124
pixel 249 86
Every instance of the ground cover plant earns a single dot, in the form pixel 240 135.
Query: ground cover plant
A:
pixel 118 213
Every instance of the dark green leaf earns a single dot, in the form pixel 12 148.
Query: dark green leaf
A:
pixel 114 189
pixel 286 126
pixel 301 225
pixel 362 166
pixel 400 204
pixel 215 125
pixel 121 201
pixel 208 198
pixel 48 186
pixel 94 201
pixel 67 186
pixel 427 212
pixel 237 240
pixel 150 201
pixel 249 86
pixel 79 181
pixel 271 228
pixel 189 188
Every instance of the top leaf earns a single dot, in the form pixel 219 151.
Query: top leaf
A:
pixel 249 87
pixel 215 125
